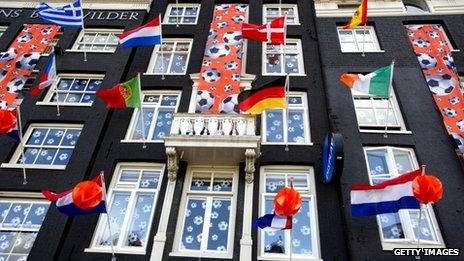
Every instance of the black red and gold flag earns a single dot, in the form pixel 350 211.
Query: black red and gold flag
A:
pixel 269 96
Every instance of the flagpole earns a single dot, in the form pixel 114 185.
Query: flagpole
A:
pixel 287 79
pixel 20 130
pixel 141 112
pixel 177 13
pixel 364 39
pixel 385 135
pixel 55 83
pixel 420 219
pixel 102 176
pixel 161 48
pixel 83 31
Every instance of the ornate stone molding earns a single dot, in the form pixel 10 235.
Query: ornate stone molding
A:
pixel 250 157
pixel 173 163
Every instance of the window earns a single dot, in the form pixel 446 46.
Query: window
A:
pixel 296 131
pixel 158 112
pixel 132 194
pixel 182 14
pixel 20 222
pixel 415 6
pixel 175 53
pixel 371 112
pixel 359 39
pixel 273 11
pixel 304 234
pixel 47 146
pixel 207 215
pixel 400 229
pixel 73 90
pixel 2 30
pixel 97 40
pixel 273 57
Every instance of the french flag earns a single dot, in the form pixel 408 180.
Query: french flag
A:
pixel 48 76
pixel 273 222
pixel 89 198
pixel 386 197
pixel 145 35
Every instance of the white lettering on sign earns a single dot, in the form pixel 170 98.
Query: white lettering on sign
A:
pixel 91 15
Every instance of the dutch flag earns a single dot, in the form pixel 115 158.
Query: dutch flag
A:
pixel 48 76
pixel 273 222
pixel 68 16
pixel 145 35
pixel 386 197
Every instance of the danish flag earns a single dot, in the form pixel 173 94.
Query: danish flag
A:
pixel 272 32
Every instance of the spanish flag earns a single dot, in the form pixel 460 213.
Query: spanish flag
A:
pixel 359 17
pixel 269 96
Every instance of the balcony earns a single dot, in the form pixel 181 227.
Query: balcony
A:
pixel 213 138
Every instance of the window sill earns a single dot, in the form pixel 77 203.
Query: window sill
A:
pixel 389 246
pixel 283 74
pixel 141 141
pixel 89 51
pixel 202 255
pixel 160 74
pixel 179 24
pixel 287 258
pixel 117 251
pixel 41 103
pixel 379 51
pixel 28 166
pixel 289 144
pixel 388 131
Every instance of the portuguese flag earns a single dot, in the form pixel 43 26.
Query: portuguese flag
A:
pixel 376 83
pixel 269 96
pixel 122 95
pixel 359 17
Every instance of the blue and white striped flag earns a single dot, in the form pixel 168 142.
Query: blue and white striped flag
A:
pixel 68 16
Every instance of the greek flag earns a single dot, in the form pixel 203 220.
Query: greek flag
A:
pixel 68 16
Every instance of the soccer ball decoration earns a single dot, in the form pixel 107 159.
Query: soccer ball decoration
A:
pixel 449 112
pixel 241 8
pixel 9 55
pixel 231 65
pixel 27 61
pixel 25 38
pixel 234 38
pixel 458 139
pixel 433 34
pixel 236 77
pixel 453 100
pixel 205 101
pixel 421 43
pixel 238 19
pixel 222 25
pixel 460 125
pixel 440 84
pixel 16 84
pixel 229 105
pixel 211 75
pixel 3 73
pixel 134 239
pixel 426 61
pixel 217 50
pixel 449 61
pixel 46 31
pixel 228 88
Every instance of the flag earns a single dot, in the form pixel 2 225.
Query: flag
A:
pixel 14 132
pixel 122 95
pixel 48 76
pixel 271 95
pixel 272 32
pixel 359 17
pixel 68 16
pixel 8 55
pixel 145 35
pixel 376 83
pixel 386 197
pixel 273 222
pixel 6 98
pixel 88 197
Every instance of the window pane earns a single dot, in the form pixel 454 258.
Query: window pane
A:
pixel 274 126
pixel 366 117
pixel 426 231
pixel 117 213
pixel 349 47
pixel 140 218
pixel 169 100
pixel 71 136
pixel 274 241
pixel 138 134
pixel 163 123
pixel 219 225
pixel 35 215
pixel 346 36
pixel 193 224
pixel 377 160
pixel 222 183
pixel 291 63
pixel 274 183
pixel 179 63
pixel 391 226
pixel 16 215
pixel 201 182
pixel 46 156
pixel 296 126
pixel 299 181
pixel 37 136
pixel 301 231
pixel 150 179
pixel 129 176
pixel 54 137
pixel 273 63
pixel 403 161
pixel 382 117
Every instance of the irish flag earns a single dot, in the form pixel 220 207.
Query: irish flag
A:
pixel 376 83
pixel 122 95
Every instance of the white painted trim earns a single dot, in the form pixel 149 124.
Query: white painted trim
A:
pixel 21 194
pixel 154 55
pixel 372 33
pixel 77 42
pixel 180 5
pixel 300 57
pixel 295 10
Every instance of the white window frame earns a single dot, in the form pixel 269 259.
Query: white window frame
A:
pixel 179 17
pixel 77 42
pixel 400 128
pixel 407 242
pixel 156 51
pixel 3 30
pixel 308 193
pixel 17 154
pixel 133 121
pixel 233 211
pixel 47 100
pixel 305 107
pixel 372 32
pixel 293 6
pixel 21 197
pixel 300 56
pixel 133 189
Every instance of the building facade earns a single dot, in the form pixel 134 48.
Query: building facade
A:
pixel 185 185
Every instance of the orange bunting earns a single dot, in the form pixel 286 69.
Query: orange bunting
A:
pixel 427 189
pixel 287 202
pixel 87 194
pixel 7 121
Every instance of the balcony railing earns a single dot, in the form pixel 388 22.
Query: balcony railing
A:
pixel 213 125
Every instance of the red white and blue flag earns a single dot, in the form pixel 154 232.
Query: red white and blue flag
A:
pixel 86 199
pixel 145 35
pixel 273 222
pixel 386 197
pixel 48 76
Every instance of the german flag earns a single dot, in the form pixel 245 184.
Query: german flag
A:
pixel 269 96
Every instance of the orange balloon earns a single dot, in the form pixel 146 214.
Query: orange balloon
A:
pixel 87 194
pixel 427 189
pixel 287 202
pixel 7 121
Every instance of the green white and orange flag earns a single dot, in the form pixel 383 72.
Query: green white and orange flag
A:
pixel 359 17
pixel 376 83
pixel 122 95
